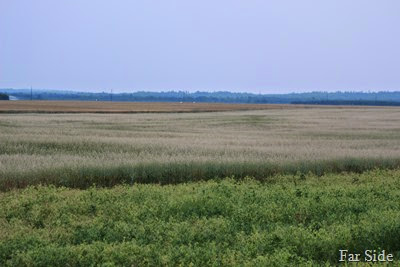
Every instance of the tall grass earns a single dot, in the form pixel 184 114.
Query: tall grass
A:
pixel 181 172
pixel 79 150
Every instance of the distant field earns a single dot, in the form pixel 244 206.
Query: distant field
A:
pixel 78 150
pixel 128 107
pixel 143 107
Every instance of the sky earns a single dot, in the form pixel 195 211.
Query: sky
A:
pixel 255 46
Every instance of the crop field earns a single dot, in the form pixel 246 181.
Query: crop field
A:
pixel 129 107
pixel 289 221
pixel 270 187
pixel 79 150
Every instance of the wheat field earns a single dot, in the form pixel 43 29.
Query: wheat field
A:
pixel 130 107
pixel 38 147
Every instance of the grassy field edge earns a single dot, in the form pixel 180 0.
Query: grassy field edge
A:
pixel 180 172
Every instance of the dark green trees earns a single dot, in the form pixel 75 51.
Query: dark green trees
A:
pixel 4 97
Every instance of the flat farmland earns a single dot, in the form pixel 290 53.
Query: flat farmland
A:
pixel 78 150
pixel 273 187
pixel 129 107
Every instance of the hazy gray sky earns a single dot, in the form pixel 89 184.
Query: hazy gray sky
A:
pixel 247 45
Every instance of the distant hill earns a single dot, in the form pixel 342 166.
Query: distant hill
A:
pixel 383 98
pixel 4 97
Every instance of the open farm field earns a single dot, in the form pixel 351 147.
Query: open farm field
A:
pixel 275 187
pixel 130 107
pixel 78 150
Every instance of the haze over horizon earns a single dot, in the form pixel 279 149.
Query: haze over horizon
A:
pixel 240 46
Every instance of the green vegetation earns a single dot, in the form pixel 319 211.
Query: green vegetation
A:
pixel 4 97
pixel 287 220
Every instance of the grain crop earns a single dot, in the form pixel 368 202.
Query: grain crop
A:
pixel 130 107
pixel 79 150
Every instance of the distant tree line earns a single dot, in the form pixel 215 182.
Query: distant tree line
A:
pixel 4 97
pixel 384 98
pixel 349 102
